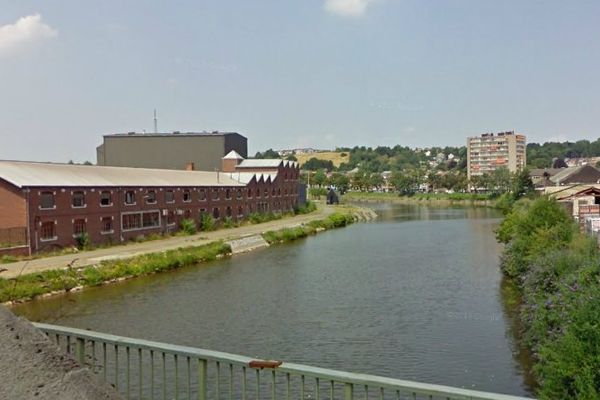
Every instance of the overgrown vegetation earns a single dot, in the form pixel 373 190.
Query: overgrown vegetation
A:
pixel 6 259
pixel 335 220
pixel 29 286
pixel 557 270
pixel 307 208
pixel 187 226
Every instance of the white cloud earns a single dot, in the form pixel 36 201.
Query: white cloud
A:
pixel 347 8
pixel 25 31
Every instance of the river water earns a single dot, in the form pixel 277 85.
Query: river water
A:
pixel 415 295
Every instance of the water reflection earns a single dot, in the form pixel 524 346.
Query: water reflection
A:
pixel 414 295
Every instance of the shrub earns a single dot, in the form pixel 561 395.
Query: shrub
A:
pixel 228 223
pixel 307 208
pixel 6 259
pixel 187 226
pixel 207 223
pixel 83 241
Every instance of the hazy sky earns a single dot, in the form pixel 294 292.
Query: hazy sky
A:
pixel 318 73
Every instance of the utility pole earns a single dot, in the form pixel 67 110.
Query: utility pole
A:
pixel 155 122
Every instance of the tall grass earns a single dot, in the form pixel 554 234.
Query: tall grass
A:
pixel 29 286
pixel 336 220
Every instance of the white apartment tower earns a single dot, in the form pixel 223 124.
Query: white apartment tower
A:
pixel 490 151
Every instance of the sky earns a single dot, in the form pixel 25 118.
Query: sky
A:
pixel 289 74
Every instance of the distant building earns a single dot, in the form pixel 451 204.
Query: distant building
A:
pixel 585 174
pixel 488 152
pixel 200 151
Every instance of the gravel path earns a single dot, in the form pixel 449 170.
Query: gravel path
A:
pixel 85 258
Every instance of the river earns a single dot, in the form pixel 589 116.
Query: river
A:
pixel 415 295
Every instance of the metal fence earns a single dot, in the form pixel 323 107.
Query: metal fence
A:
pixel 150 370
pixel 13 237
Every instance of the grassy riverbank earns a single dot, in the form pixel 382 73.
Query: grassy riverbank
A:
pixel 557 271
pixel 34 284
pixel 29 286
pixel 442 199
pixel 336 220
pixel 188 227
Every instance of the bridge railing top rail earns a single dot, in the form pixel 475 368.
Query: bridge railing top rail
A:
pixel 290 369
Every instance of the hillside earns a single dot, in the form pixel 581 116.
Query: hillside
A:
pixel 334 156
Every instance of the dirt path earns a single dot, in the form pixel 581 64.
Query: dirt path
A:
pixel 85 258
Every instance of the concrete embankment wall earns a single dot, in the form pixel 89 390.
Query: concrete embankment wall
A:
pixel 32 367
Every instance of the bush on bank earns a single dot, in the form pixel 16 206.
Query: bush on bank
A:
pixel 557 271
pixel 29 286
pixel 335 220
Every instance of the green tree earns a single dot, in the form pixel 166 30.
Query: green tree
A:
pixel 404 183
pixel 267 154
pixel 375 181
pixel 319 178
pixel 522 184
pixel 341 182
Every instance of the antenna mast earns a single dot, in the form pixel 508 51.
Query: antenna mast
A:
pixel 155 122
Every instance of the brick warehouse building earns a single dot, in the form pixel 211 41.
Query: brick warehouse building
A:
pixel 46 205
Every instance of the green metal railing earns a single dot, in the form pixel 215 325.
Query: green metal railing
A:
pixel 143 369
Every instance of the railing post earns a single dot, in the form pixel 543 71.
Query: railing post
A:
pixel 349 391
pixel 80 351
pixel 202 386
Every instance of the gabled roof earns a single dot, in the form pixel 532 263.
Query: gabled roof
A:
pixel 544 171
pixel 267 163
pixel 260 163
pixel 35 174
pixel 567 173
pixel 233 155
pixel 246 177
pixel 591 191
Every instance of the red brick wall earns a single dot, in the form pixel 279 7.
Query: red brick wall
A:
pixel 277 196
pixel 64 214
pixel 12 206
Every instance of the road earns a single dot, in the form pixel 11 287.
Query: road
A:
pixel 84 258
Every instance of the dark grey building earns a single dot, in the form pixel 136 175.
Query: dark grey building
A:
pixel 201 151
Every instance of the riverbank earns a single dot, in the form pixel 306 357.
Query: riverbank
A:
pixel 52 281
pixel 428 199
pixel 556 270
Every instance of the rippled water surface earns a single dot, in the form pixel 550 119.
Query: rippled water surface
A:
pixel 415 295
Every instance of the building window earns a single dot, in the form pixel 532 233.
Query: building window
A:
pixel 240 212
pixel 266 192
pixel 79 227
pixel 228 212
pixel 48 230
pixel 249 193
pixel 78 200
pixel 273 192
pixel 47 201
pixel 151 219
pixel 228 194
pixel 151 197
pixel 215 194
pixel 132 221
pixel 106 225
pixel 257 192
pixel 141 220
pixel 169 196
pixel 105 198
pixel 187 196
pixel 130 197
pixel 202 195
pixel 239 194
pixel 216 213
